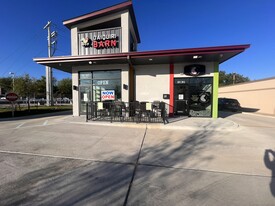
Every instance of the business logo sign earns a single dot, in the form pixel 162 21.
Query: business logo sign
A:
pixel 101 41
pixel 108 95
pixel 194 69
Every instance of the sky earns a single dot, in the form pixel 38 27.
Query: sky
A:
pixel 162 24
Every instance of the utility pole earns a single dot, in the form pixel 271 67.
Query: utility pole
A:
pixel 49 74
pixel 12 74
pixel 234 78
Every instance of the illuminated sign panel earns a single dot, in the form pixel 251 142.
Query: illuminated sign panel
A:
pixel 108 95
pixel 101 41
pixel 194 70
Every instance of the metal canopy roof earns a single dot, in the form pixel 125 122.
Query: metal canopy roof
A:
pixel 218 54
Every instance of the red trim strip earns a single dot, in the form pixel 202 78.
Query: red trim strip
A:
pixel 171 100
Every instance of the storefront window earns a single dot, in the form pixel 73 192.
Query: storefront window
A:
pixel 193 96
pixel 200 90
pixel 85 75
pixel 93 83
pixel 106 74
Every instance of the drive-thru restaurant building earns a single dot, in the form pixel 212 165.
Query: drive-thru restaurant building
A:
pixel 106 66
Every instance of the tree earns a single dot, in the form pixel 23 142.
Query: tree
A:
pixel 25 86
pixel 64 88
pixel 231 78
pixel 41 87
pixel 6 84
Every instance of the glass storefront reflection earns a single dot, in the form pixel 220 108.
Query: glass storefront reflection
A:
pixel 94 82
pixel 193 96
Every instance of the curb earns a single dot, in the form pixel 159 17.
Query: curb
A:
pixel 67 112
pixel 231 127
pixel 259 115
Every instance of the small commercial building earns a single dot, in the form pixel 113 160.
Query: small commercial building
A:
pixel 254 96
pixel 106 65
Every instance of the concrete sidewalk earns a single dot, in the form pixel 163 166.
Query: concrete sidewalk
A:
pixel 179 123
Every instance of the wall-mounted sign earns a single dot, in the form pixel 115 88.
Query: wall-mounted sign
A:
pixel 204 97
pixel 181 97
pixel 108 95
pixel 194 70
pixel 166 96
pixel 101 41
pixel 85 97
pixel 180 81
pixel 102 82
pixel 86 42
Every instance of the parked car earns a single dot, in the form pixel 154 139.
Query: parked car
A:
pixel 229 104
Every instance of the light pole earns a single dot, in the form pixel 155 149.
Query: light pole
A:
pixel 12 74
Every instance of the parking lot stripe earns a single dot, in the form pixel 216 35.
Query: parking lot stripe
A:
pixel 20 125
pixel 64 157
pixel 46 122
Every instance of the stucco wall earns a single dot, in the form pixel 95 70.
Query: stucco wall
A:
pixel 258 95
pixel 75 82
pixel 152 81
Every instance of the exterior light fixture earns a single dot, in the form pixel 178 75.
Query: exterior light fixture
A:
pixel 197 57
pixel 150 59
pixel 90 62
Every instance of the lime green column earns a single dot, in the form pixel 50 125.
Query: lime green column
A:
pixel 215 91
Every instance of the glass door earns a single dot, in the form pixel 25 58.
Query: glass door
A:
pixel 93 83
pixel 85 93
pixel 193 96
pixel 181 96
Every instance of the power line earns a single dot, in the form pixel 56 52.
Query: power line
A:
pixel 19 51
pixel 59 28
pixel 65 52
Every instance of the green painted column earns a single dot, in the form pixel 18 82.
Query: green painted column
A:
pixel 215 91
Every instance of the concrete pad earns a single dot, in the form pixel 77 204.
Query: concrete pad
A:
pixel 238 152
pixel 166 186
pixel 80 141
pixel 177 123
pixel 197 123
pixel 32 180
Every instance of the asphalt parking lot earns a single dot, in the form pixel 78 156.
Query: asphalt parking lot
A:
pixel 61 160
